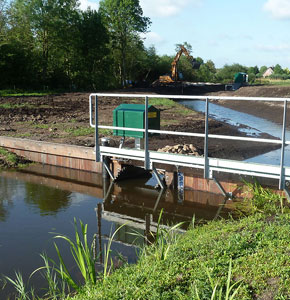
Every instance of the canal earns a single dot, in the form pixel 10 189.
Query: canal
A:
pixel 248 123
pixel 39 202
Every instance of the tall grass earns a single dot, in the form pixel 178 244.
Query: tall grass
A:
pixel 20 287
pixel 160 242
pixel 57 275
pixel 221 291
pixel 260 199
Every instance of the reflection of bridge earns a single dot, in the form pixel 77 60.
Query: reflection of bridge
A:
pixel 127 200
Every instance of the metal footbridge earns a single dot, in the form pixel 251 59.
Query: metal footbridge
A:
pixel 209 165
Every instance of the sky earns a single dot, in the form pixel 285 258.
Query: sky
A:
pixel 249 32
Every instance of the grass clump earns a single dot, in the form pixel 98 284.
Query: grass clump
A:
pixel 81 131
pixel 11 160
pixel 263 200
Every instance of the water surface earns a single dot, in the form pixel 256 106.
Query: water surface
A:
pixel 247 123
pixel 41 201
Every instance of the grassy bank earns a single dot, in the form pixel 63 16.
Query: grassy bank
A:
pixel 258 246
pixel 11 160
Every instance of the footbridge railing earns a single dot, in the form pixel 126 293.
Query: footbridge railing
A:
pixel 208 164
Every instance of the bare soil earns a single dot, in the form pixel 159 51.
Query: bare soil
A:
pixel 64 118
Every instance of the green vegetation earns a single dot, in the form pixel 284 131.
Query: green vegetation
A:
pixel 81 131
pixel 230 259
pixel 13 93
pixel 273 81
pixel 163 102
pixel 9 157
pixel 105 132
pixel 41 126
pixel 257 246
pixel 11 106
pixel 10 160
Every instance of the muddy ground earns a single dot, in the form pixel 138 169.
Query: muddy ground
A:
pixel 272 111
pixel 64 118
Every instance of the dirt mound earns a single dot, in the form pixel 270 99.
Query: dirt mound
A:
pixel 258 91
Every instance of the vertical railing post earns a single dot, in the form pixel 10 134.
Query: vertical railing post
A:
pixel 146 146
pixel 282 169
pixel 206 169
pixel 97 147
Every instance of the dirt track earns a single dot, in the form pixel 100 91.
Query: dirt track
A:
pixel 64 118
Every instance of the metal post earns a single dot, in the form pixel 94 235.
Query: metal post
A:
pixel 99 214
pixel 106 160
pixel 282 170
pixel 97 147
pixel 146 147
pixel 206 170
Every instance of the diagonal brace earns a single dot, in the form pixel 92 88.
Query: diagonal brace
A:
pixel 160 182
pixel 108 170
pixel 227 195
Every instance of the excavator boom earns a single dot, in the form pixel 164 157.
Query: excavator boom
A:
pixel 174 73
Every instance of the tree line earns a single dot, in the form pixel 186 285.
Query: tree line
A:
pixel 53 44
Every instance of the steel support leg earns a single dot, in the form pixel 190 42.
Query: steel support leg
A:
pixel 108 170
pixel 160 182
pixel 287 191
pixel 227 195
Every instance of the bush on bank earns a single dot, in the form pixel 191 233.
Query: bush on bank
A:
pixel 259 247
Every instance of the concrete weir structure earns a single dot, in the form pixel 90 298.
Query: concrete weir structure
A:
pixel 83 159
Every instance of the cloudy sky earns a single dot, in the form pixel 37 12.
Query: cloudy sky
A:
pixel 250 32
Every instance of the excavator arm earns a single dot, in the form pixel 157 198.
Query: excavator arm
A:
pixel 195 64
pixel 174 73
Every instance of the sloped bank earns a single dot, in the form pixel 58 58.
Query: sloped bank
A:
pixel 258 246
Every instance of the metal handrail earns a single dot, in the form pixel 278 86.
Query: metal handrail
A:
pixel 204 135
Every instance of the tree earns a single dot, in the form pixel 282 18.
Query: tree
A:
pixel 3 20
pixel 278 70
pixel 90 63
pixel 125 21
pixel 206 72
pixel 253 70
pixel 187 46
pixel 263 69
pixel 227 73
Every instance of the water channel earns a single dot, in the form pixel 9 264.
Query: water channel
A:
pixel 252 125
pixel 39 202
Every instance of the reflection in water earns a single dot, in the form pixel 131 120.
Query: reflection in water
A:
pixel 6 195
pixel 49 201
pixel 34 203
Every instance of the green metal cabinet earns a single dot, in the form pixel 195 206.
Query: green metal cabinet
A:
pixel 241 77
pixel 133 116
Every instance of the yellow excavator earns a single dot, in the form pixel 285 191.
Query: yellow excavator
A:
pixel 174 73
